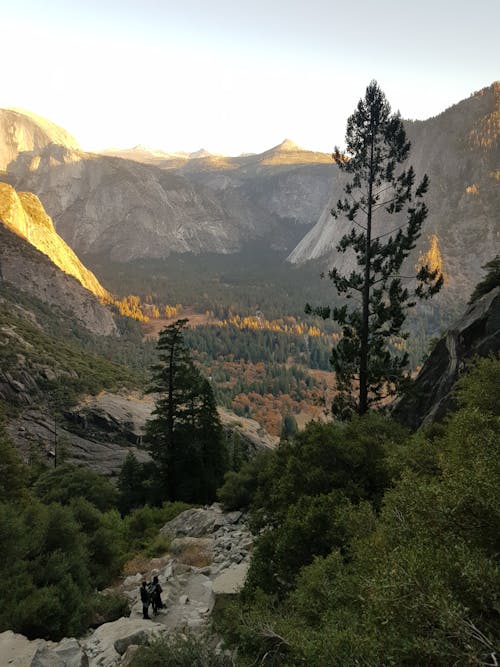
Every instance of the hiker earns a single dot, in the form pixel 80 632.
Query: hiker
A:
pixel 156 591
pixel 145 599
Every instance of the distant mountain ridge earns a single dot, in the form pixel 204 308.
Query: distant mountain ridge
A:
pixel 155 205
pixel 128 209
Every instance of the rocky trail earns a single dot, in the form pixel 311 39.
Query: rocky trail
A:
pixel 209 555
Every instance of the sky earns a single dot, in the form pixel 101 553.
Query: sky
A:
pixel 238 76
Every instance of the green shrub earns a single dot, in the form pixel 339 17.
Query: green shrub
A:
pixel 180 651
pixel 106 607
pixel 240 486
pixel 66 482
pixel 142 525
pixel 158 547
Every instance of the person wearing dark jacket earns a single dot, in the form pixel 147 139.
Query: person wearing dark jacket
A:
pixel 156 600
pixel 145 599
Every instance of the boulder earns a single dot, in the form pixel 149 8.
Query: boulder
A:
pixel 231 580
pixel 71 652
pixel 44 657
pixel 477 333
pixel 17 650
pixel 101 646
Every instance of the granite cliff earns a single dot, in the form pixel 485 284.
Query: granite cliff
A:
pixel 138 203
pixel 23 214
pixel 460 151
pixel 25 131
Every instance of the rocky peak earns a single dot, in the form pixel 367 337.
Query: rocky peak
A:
pixel 289 145
pixel 22 131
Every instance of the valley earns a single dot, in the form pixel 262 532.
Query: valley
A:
pixel 119 419
pixel 237 245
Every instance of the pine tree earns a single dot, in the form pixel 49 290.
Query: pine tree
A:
pixel 367 368
pixel 185 434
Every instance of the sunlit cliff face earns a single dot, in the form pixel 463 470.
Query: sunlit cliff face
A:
pixel 23 214
pixel 432 258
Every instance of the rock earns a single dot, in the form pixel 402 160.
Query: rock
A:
pixel 133 580
pixel 129 655
pixel 183 599
pixel 33 429
pixel 71 652
pixel 231 580
pixel 138 638
pixel 17 650
pixel 100 646
pixel 476 333
pixel 44 657
pixel 191 523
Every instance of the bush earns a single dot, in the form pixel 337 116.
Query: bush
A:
pixel 66 482
pixel 142 525
pixel 239 487
pixel 414 585
pixel 107 607
pixel 180 651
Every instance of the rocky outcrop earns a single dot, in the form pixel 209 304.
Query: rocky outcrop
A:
pixel 250 432
pixel 18 651
pixel 33 273
pixel 23 214
pixel 100 430
pixel 35 434
pixel 477 333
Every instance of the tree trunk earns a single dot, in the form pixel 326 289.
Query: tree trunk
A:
pixel 363 362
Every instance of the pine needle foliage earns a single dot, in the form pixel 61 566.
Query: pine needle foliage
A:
pixel 185 436
pixel 382 211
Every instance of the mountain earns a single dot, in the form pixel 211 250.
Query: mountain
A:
pixel 125 209
pixel 25 131
pixel 152 207
pixel 38 263
pixel 157 204
pixel 460 151
pixel 23 214
pixel 32 273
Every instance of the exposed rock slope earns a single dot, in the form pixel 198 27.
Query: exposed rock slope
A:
pixel 33 273
pixel 100 430
pixel 124 209
pixel 23 214
pixel 477 333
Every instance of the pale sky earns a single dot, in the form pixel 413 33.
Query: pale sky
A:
pixel 237 77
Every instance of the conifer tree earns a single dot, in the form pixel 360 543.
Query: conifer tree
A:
pixel 185 433
pixel 382 213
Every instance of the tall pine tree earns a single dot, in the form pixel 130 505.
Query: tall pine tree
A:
pixel 185 435
pixel 382 212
